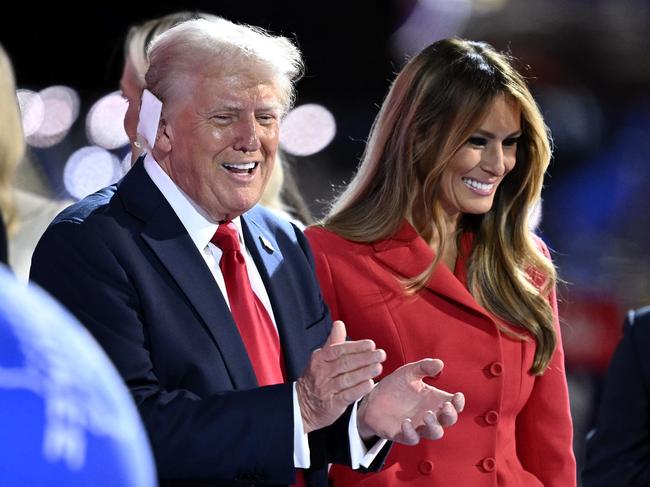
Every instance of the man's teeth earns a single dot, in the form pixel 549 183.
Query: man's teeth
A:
pixel 241 167
pixel 475 184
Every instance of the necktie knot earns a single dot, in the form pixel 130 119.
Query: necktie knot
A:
pixel 226 237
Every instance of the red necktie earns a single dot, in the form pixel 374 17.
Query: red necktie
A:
pixel 253 321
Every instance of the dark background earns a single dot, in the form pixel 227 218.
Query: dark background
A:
pixel 588 64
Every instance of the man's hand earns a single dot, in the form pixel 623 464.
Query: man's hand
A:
pixel 338 374
pixel 404 409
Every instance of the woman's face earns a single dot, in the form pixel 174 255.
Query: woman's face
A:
pixel 131 87
pixel 471 180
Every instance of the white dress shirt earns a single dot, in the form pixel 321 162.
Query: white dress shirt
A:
pixel 201 230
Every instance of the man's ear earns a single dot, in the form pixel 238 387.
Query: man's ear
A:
pixel 164 137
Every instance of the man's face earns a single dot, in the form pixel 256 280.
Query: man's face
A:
pixel 223 138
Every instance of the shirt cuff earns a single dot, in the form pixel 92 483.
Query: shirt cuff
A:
pixel 360 455
pixel 301 453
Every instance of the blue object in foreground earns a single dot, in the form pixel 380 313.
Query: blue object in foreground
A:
pixel 66 417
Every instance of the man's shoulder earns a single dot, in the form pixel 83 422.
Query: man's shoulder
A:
pixel 265 218
pixel 84 209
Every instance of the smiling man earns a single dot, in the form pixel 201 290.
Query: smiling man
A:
pixel 208 304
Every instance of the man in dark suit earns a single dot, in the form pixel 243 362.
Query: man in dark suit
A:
pixel 140 264
pixel 618 449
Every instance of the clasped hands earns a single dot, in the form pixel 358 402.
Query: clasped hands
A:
pixel 401 407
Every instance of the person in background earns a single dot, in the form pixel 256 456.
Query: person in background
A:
pixel 25 214
pixel 208 303
pixel 429 251
pixel 12 150
pixel 281 193
pixel 3 241
pixel 618 448
pixel 67 418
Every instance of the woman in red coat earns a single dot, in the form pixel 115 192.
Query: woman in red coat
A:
pixel 429 252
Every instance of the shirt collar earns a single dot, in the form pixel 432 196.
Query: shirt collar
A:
pixel 196 221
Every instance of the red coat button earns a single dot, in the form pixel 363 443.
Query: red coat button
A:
pixel 489 464
pixel 491 417
pixel 425 467
pixel 496 368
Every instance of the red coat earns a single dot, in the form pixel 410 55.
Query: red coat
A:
pixel 516 428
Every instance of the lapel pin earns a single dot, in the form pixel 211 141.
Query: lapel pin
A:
pixel 267 245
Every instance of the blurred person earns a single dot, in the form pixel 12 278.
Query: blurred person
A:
pixel 67 418
pixel 618 449
pixel 429 252
pixel 207 303
pixel 3 241
pixel 25 214
pixel 281 194
pixel 12 150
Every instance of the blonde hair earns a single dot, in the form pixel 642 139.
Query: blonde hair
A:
pixel 12 142
pixel 436 102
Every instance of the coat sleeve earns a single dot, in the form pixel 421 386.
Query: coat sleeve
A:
pixel 544 427
pixel 320 241
pixel 618 449
pixel 228 435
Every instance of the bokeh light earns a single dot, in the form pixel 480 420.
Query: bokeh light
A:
pixel 105 122
pixel 61 109
pixel 307 129
pixel 90 169
pixel 32 110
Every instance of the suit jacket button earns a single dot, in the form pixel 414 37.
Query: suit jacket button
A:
pixel 491 417
pixel 425 467
pixel 496 368
pixel 488 464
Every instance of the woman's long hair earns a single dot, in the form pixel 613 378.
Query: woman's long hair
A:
pixel 434 105
pixel 12 142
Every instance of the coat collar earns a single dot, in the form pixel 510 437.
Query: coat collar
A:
pixel 267 253
pixel 408 254
pixel 164 233
pixel 168 239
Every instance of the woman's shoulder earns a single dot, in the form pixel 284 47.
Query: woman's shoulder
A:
pixel 322 236
pixel 324 239
pixel 541 245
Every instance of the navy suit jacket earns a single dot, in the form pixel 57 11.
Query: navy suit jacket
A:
pixel 618 450
pixel 123 263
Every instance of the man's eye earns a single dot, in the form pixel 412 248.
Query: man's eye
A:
pixel 265 119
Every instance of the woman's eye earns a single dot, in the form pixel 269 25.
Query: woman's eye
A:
pixel 511 141
pixel 477 141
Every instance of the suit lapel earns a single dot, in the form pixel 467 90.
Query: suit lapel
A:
pixel 166 236
pixel 408 254
pixel 265 250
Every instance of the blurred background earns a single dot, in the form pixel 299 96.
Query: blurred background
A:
pixel 588 62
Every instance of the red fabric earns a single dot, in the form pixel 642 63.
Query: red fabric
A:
pixel 300 479
pixel 253 321
pixel 516 428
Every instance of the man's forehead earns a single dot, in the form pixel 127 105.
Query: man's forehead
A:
pixel 242 89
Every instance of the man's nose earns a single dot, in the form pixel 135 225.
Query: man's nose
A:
pixel 247 139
